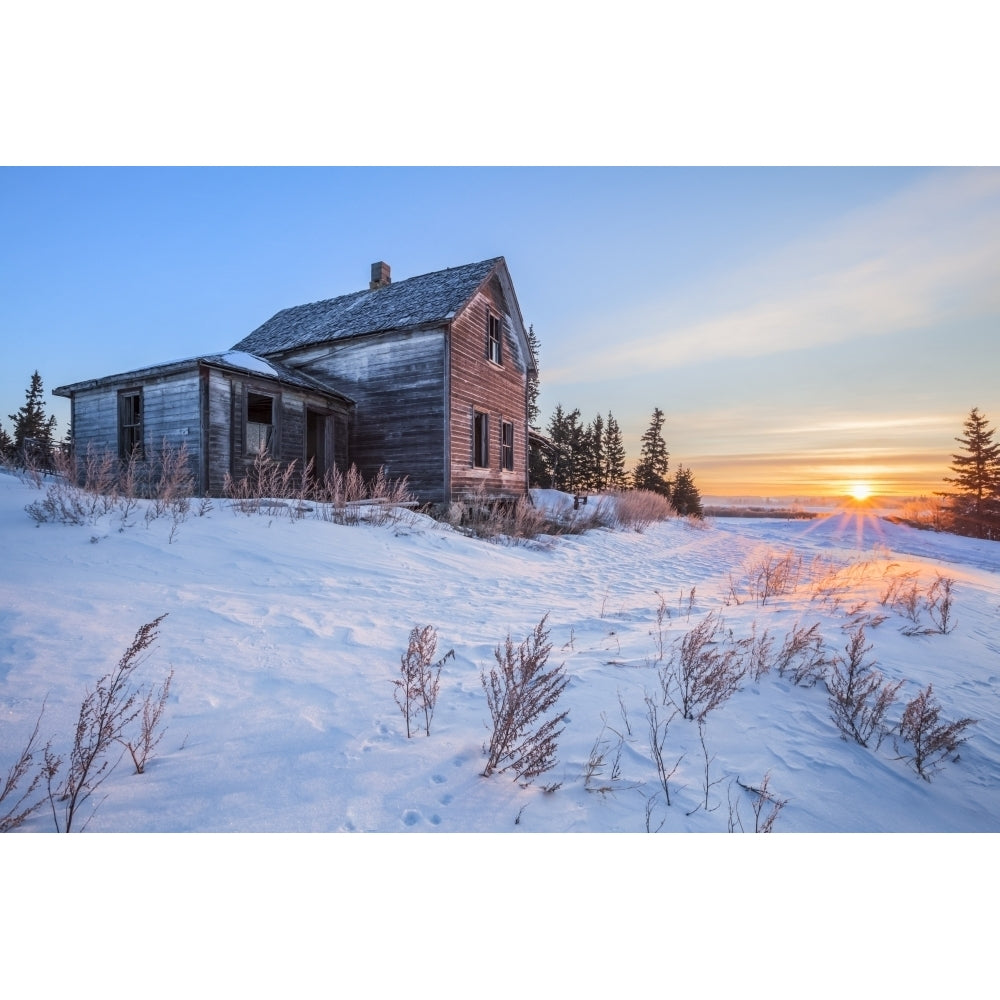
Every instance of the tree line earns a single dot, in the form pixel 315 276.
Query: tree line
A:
pixel 590 458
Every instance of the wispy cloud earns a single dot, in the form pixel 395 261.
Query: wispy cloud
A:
pixel 924 257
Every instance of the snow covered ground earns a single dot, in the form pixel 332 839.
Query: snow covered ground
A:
pixel 285 637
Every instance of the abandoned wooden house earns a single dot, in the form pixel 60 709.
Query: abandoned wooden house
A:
pixel 425 378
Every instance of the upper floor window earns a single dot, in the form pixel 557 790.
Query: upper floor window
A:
pixel 130 423
pixel 260 422
pixel 494 336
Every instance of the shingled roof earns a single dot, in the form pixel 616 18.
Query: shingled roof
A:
pixel 421 301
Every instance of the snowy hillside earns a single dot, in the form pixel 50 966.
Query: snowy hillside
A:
pixel 285 637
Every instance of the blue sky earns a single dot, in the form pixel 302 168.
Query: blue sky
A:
pixel 800 327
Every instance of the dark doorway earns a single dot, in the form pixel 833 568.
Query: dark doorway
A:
pixel 316 443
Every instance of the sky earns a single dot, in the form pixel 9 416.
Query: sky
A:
pixel 801 328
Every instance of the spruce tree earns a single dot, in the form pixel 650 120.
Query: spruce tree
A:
pixel 614 455
pixel 975 506
pixel 534 382
pixel 651 471
pixel 539 461
pixel 6 445
pixel 684 494
pixel 595 479
pixel 576 453
pixel 558 432
pixel 30 421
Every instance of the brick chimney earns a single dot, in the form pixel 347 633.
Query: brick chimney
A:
pixel 380 275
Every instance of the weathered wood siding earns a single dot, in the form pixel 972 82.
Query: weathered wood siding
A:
pixel 170 416
pixel 290 408
pixel 500 391
pixel 397 381
pixel 217 431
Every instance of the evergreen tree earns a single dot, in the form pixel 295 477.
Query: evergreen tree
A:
pixel 539 461
pixel 614 456
pixel 974 507
pixel 534 382
pixel 6 445
pixel 540 468
pixel 684 494
pixel 556 432
pixel 651 471
pixel 594 455
pixel 30 421
pixel 567 434
pixel 576 448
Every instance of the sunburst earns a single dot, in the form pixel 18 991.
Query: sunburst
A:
pixel 861 491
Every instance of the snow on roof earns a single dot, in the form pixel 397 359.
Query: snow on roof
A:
pixel 422 300
pixel 250 362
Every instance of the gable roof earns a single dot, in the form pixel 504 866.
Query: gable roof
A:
pixel 425 300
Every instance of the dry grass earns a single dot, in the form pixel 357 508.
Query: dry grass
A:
pixel 765 575
pixel 273 488
pixel 637 510
pixel 83 489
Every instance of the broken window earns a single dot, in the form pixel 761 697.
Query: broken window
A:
pixel 494 333
pixel 260 422
pixel 481 440
pixel 507 446
pixel 130 424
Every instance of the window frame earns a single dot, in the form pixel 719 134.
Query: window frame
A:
pixel 494 337
pixel 480 439
pixel 506 446
pixel 130 422
pixel 270 436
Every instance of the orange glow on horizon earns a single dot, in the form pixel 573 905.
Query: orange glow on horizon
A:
pixel 819 476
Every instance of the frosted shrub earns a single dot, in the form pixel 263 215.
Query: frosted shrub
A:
pixel 765 575
pixel 520 691
pixel 860 697
pixel 594 779
pixel 756 650
pixel 659 726
pixel 636 510
pixel 417 685
pixel 17 791
pixel 902 594
pixel 939 601
pixel 151 731
pixel 764 818
pixel 106 714
pixel 701 675
pixel 931 739
pixel 802 656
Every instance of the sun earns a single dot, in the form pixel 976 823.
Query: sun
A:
pixel 861 491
